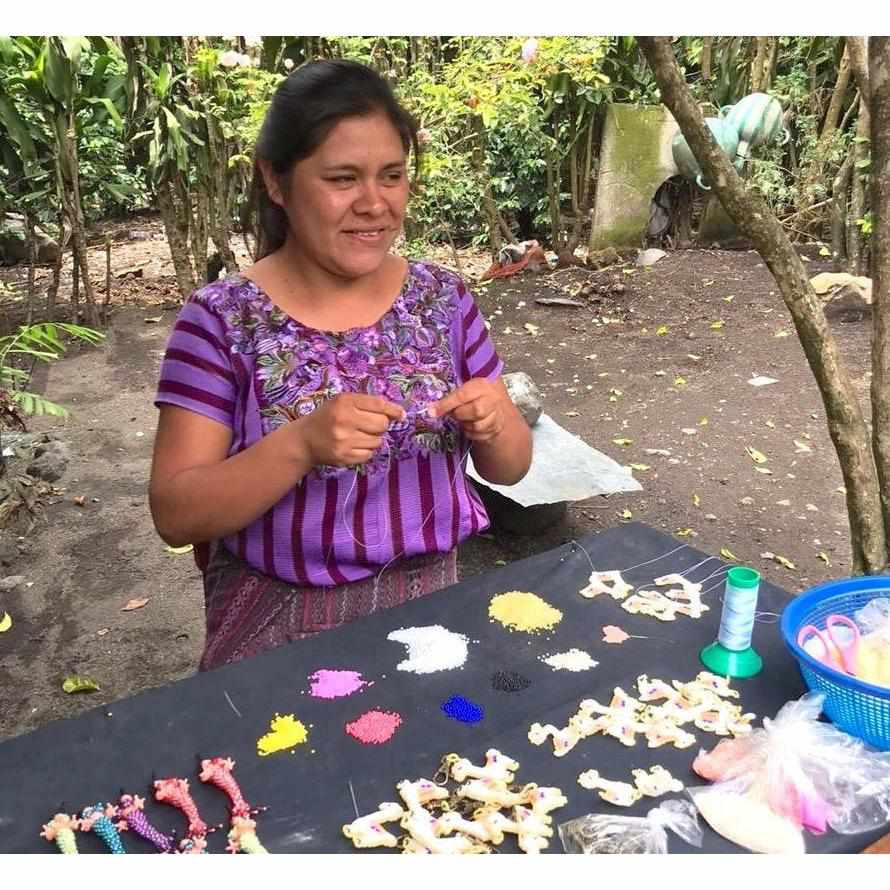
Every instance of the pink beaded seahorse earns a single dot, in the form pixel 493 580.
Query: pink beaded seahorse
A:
pixel 61 830
pixel 218 771
pixel 242 837
pixel 131 816
pixel 176 793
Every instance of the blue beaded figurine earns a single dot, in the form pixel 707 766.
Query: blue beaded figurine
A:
pixel 97 818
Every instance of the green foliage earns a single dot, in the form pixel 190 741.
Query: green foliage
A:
pixel 32 343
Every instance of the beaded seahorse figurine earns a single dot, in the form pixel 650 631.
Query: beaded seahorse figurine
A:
pixel 130 816
pixel 242 837
pixel 97 818
pixel 61 830
pixel 176 793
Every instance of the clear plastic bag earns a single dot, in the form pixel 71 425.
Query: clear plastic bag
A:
pixel 873 657
pixel 600 833
pixel 807 773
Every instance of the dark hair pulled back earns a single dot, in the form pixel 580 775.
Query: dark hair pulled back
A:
pixel 307 105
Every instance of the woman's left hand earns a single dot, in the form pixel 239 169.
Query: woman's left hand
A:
pixel 480 406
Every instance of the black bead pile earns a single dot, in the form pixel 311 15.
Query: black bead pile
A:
pixel 509 681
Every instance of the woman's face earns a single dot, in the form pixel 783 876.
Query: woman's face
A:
pixel 345 203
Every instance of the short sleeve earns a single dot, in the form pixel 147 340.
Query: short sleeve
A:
pixel 197 372
pixel 477 356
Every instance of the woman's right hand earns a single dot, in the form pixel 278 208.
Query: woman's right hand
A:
pixel 347 429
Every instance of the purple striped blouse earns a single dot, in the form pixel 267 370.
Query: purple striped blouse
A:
pixel 236 358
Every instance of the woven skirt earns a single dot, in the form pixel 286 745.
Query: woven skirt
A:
pixel 248 612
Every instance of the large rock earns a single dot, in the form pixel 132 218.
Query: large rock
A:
pixel 50 461
pixel 14 246
pixel 525 395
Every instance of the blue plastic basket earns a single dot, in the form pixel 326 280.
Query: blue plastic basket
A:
pixel 861 709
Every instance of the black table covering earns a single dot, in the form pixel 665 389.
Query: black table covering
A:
pixel 72 763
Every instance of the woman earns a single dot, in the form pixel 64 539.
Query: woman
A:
pixel 316 411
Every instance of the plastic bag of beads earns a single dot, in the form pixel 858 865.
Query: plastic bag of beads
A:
pixel 601 833
pixel 796 772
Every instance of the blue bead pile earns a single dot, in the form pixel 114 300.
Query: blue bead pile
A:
pixel 459 708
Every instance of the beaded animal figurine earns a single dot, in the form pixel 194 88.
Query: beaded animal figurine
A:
pixel 176 793
pixel 218 771
pixel 131 816
pixel 61 830
pixel 97 818
pixel 242 837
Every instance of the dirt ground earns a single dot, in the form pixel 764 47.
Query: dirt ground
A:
pixel 642 362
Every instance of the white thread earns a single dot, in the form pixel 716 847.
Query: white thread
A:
pixel 738 616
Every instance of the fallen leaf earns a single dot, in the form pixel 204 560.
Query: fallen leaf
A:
pixel 693 356
pixel 154 320
pixel 716 325
pixel 770 424
pixel 768 554
pixel 783 503
pixel 729 299
pixel 623 442
pixel 824 557
pixel 688 431
pixel 686 533
pixel 103 631
pixel 708 283
pixel 625 515
pixel 5 622
pixel 640 468
pixel 779 334
pixel 726 553
pixel 179 550
pixel 533 329
pixel 613 634
pixel 500 562
pixel 662 330
pixel 679 381
pixel 132 605
pixel 79 684
pixel 824 251
pixel 765 470
pixel 696 500
pixel 755 455
pixel 80 501
pixel 802 447
pixel 762 381
pixel 572 414
pixel 703 421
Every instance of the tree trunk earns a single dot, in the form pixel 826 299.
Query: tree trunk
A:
pixel 585 201
pixel 220 209
pixel 855 239
pixel 761 68
pixel 53 291
pixel 31 235
pixel 879 84
pixel 480 165
pixel 840 191
pixel 78 225
pixel 750 213
pixel 107 280
pixel 706 51
pixel 199 232
pixel 177 231
pixel 858 51
pixel 815 173
pixel 75 283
